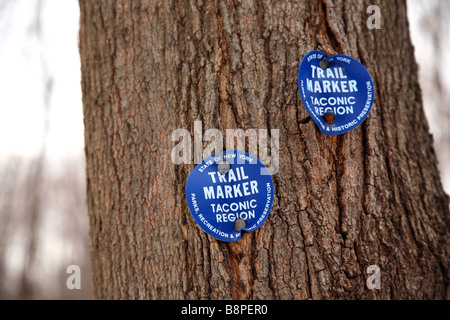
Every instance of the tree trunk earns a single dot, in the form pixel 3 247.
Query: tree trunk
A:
pixel 342 203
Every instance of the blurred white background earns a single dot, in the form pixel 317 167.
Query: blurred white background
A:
pixel 43 215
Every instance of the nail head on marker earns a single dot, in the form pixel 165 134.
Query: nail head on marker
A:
pixel 239 224
pixel 329 118
pixel 324 64
pixel 223 167
pixel 207 191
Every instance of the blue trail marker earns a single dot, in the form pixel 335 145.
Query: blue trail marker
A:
pixel 337 91
pixel 229 192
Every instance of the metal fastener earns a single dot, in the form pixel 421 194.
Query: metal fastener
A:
pixel 324 64
pixel 239 224
pixel 223 167
pixel 329 118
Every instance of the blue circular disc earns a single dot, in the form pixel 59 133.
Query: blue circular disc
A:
pixel 217 200
pixel 338 89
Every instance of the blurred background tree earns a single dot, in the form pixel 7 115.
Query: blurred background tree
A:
pixel 43 215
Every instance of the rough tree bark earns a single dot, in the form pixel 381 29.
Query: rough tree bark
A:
pixel 342 203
